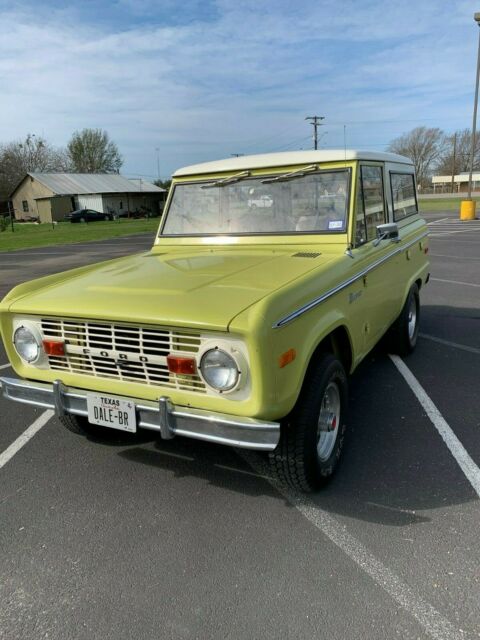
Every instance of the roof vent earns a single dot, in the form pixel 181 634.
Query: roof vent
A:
pixel 305 254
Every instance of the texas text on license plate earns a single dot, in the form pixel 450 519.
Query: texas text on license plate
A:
pixel 107 411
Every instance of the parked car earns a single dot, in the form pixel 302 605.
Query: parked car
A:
pixel 260 201
pixel 88 215
pixel 241 326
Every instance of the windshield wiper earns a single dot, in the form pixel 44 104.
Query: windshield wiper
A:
pixel 224 181
pixel 292 174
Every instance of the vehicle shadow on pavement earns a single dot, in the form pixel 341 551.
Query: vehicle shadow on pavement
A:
pixel 395 467
pixel 217 465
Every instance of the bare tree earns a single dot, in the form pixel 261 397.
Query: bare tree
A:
pixel 424 147
pixel 29 155
pixel 92 151
pixel 458 162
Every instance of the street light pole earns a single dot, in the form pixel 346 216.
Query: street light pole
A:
pixel 474 124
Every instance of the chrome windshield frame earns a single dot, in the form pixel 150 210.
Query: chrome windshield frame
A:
pixel 330 232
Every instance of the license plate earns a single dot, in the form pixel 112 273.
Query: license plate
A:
pixel 115 413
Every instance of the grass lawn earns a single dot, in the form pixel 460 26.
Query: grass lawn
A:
pixel 26 236
pixel 443 204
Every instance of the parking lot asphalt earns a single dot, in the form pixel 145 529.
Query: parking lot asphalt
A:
pixel 181 539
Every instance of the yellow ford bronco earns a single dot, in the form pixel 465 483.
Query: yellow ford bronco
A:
pixel 242 323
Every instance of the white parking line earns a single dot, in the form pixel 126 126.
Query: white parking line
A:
pixel 234 469
pixel 442 255
pixel 432 620
pixel 458 451
pixel 174 455
pixel 465 284
pixel 457 345
pixel 27 435
pixel 5 366
pixel 430 224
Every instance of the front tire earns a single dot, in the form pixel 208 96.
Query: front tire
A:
pixel 313 435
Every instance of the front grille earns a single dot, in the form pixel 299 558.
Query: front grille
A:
pixel 122 352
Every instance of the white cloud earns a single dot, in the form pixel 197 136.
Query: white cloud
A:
pixel 241 79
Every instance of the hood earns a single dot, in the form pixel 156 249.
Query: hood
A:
pixel 200 288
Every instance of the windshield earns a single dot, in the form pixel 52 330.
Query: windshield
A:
pixel 313 203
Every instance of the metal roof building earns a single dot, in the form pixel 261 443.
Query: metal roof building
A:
pixel 49 196
pixel 90 183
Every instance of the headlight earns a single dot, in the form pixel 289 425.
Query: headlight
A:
pixel 26 344
pixel 219 370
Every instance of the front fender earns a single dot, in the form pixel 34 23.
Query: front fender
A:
pixel 304 335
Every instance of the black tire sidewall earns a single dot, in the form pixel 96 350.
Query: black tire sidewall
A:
pixel 414 293
pixel 81 426
pixel 305 419
pixel 401 342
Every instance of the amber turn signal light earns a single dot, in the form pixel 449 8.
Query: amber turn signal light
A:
pixel 54 347
pixel 179 364
pixel 286 358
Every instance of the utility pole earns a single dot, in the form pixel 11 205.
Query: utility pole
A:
pixel 158 162
pixel 454 160
pixel 315 121
pixel 11 215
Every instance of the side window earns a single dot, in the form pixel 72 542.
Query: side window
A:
pixel 25 206
pixel 370 204
pixel 403 195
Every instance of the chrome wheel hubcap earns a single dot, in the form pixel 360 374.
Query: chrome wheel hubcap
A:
pixel 412 319
pixel 328 421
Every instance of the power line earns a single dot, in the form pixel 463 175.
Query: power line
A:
pixel 289 144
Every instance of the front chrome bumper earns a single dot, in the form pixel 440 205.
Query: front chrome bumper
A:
pixel 168 419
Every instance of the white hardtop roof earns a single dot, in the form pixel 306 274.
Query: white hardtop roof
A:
pixel 288 158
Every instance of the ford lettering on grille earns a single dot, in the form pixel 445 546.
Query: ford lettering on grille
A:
pixel 123 352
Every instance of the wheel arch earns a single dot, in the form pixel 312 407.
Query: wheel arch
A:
pixel 339 343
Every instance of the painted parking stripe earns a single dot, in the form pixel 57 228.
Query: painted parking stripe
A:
pixel 5 366
pixel 432 620
pixel 27 435
pixel 464 461
pixel 465 284
pixel 448 343
pixel 442 255
pixel 430 224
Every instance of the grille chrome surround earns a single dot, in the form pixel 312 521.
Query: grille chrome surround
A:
pixel 123 352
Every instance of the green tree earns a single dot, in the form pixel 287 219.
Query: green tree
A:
pixel 164 184
pixel 92 151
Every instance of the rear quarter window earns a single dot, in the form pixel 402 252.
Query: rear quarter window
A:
pixel 404 197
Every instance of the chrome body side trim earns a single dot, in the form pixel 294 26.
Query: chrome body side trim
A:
pixel 162 416
pixel 343 285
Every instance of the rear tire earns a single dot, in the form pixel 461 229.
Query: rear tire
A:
pixel 403 333
pixel 312 436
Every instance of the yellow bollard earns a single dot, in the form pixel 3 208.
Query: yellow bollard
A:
pixel 467 210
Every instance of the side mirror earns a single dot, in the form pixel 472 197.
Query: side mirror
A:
pixel 388 231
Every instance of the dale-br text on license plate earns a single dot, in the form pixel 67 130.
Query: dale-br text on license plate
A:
pixel 115 413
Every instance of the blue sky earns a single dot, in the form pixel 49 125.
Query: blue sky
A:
pixel 200 80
